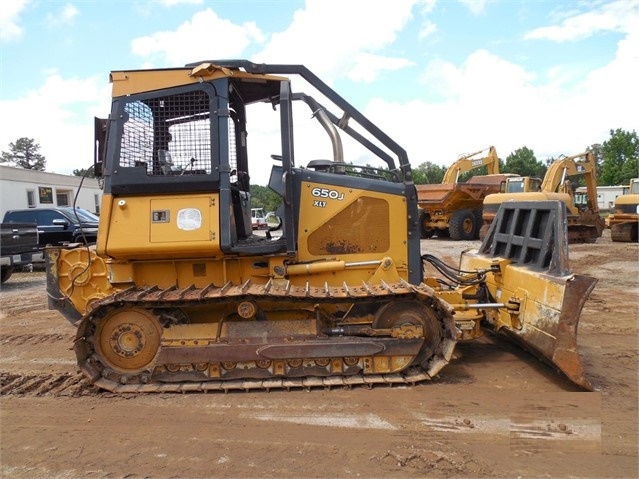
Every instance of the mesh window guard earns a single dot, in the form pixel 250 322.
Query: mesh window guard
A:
pixel 169 135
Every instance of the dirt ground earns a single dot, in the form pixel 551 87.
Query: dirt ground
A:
pixel 494 411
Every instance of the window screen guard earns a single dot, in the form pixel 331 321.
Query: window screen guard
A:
pixel 169 135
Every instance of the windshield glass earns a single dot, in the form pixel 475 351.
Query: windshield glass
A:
pixel 515 186
pixel 84 215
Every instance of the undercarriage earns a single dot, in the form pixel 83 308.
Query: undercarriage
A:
pixel 265 336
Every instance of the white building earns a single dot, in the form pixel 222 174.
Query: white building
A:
pixel 606 195
pixel 20 188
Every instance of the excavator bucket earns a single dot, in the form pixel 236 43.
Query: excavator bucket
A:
pixel 526 251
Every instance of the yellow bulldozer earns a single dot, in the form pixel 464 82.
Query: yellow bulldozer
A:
pixel 585 224
pixel 624 220
pixel 180 294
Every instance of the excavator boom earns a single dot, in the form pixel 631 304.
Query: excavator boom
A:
pixel 581 164
pixel 469 162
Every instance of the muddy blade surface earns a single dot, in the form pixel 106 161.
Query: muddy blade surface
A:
pixel 554 339
pixel 565 355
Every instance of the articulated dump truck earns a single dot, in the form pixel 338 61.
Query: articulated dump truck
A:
pixel 454 209
pixel 179 293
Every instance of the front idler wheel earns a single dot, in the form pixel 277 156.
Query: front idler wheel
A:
pixel 404 313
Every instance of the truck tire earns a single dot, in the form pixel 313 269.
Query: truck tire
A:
pixel 424 231
pixel 5 274
pixel 479 221
pixel 462 225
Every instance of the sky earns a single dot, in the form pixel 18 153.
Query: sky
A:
pixel 442 78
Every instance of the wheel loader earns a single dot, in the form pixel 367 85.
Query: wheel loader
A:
pixel 179 293
pixel 585 224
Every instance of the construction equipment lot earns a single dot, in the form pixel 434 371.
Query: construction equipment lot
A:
pixel 494 412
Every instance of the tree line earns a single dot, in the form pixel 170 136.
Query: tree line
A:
pixel 617 162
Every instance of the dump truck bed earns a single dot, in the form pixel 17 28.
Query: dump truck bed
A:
pixel 441 195
pixel 455 209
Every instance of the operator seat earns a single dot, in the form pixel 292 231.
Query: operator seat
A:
pixel 320 165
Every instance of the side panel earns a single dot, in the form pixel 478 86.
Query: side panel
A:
pixel 352 225
pixel 169 227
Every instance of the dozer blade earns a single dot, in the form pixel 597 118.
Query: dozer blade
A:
pixel 527 248
pixel 553 337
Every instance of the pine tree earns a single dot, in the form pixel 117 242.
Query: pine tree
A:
pixel 24 154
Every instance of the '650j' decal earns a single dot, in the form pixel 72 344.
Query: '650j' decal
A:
pixel 325 193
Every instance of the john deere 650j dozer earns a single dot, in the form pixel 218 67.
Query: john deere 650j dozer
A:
pixel 179 294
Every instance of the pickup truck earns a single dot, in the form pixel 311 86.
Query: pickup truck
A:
pixel 58 226
pixel 258 219
pixel 18 247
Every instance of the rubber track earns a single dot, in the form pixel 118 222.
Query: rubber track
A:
pixel 154 297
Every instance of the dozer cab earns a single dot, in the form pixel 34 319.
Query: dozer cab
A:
pixel 453 209
pixel 585 224
pixel 178 294
pixel 624 221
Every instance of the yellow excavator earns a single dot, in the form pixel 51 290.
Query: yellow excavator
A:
pixel 470 162
pixel 585 224
pixel 624 220
pixel 180 294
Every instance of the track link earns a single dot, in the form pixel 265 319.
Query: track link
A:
pixel 410 378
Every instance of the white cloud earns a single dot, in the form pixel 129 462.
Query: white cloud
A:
pixel 427 6
pixel 57 116
pixel 204 37
pixel 481 79
pixel 427 29
pixel 10 28
pixel 619 16
pixel 367 66
pixel 442 78
pixel 333 41
pixel 64 17
pixel 477 7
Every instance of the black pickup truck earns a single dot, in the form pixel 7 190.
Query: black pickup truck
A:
pixel 58 226
pixel 18 247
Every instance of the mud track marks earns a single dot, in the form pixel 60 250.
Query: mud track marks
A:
pixel 432 462
pixel 66 384
pixel 19 339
